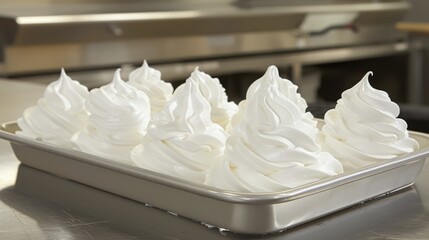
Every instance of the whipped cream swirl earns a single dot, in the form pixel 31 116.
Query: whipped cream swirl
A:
pixel 119 117
pixel 286 88
pixel 221 110
pixel 183 141
pixel 58 115
pixel 364 129
pixel 149 81
pixel 273 147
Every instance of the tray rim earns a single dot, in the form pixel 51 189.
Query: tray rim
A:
pixel 217 193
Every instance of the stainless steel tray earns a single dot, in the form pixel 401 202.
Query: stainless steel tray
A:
pixel 250 213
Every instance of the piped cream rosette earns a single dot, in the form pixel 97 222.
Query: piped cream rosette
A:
pixel 58 115
pixel 119 117
pixel 183 141
pixel 149 81
pixel 212 90
pixel 273 144
pixel 364 129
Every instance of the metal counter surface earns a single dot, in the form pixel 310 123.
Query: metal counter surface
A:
pixel 43 206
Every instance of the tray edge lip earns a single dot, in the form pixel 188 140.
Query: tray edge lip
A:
pixel 216 193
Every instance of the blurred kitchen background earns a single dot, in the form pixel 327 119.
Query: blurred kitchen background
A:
pixel 324 46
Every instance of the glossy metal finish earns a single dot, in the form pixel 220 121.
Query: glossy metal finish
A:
pixel 215 67
pixel 41 27
pixel 98 36
pixel 41 206
pixel 96 55
pixel 250 213
pixel 418 33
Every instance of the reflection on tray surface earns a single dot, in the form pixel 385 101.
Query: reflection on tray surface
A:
pixel 398 209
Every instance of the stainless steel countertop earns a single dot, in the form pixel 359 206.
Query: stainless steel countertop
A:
pixel 43 206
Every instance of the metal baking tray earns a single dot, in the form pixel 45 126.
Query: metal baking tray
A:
pixel 248 213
